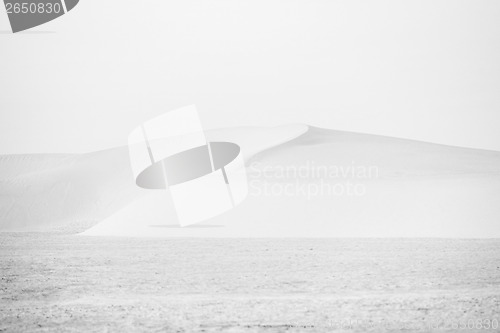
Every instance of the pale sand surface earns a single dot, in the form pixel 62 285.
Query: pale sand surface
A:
pixel 418 189
pixel 56 282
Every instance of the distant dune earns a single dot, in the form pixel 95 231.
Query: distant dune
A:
pixel 299 179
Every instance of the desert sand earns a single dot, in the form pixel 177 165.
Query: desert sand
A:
pixel 67 283
pixel 82 248
pixel 405 189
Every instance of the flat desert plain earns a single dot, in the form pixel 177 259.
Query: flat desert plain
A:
pixel 65 283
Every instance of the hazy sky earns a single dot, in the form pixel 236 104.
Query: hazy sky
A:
pixel 426 70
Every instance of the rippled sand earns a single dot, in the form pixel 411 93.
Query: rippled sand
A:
pixel 73 283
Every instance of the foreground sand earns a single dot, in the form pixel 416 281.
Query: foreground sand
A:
pixel 73 283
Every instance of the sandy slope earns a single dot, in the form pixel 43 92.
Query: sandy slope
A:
pixel 74 191
pixel 44 192
pixel 403 188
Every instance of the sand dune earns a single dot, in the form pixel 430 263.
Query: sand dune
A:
pixel 72 192
pixel 299 179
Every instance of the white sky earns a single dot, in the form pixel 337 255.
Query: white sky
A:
pixel 426 70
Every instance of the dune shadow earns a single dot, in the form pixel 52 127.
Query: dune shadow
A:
pixel 189 226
